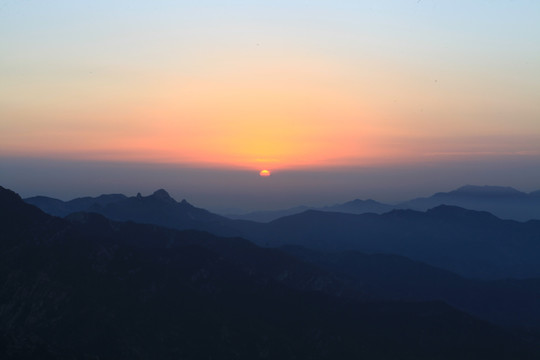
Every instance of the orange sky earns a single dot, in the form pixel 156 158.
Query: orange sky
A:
pixel 280 87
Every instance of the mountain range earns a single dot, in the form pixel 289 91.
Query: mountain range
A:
pixel 504 202
pixel 514 303
pixel 470 243
pixel 85 286
pixel 158 208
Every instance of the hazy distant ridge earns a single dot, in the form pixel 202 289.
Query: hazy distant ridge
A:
pixel 504 202
pixel 470 243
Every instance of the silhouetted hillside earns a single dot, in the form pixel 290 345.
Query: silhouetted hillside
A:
pixel 507 302
pixel 471 243
pixel 161 209
pixel 269 215
pixel 358 206
pixel 88 287
pixel 352 207
pixel 62 208
pixel 504 202
pixel 158 208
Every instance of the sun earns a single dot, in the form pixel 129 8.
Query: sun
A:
pixel 264 173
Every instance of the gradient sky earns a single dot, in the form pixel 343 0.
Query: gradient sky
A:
pixel 327 92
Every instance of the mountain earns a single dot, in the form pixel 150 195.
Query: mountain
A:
pixel 269 215
pixel 470 243
pixel 504 202
pixel 356 206
pixel 159 209
pixel 62 208
pixel 89 287
pixel 513 303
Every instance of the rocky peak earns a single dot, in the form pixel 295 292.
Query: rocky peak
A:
pixel 162 195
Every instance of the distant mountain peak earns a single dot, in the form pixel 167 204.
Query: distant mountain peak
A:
pixel 447 210
pixel 360 201
pixel 487 190
pixel 161 194
pixel 453 211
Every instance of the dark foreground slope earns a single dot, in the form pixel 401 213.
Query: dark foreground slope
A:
pixel 86 287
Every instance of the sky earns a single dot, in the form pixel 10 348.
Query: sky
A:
pixel 338 99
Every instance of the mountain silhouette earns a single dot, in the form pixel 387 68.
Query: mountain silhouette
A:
pixel 471 243
pixel 158 208
pixel 268 215
pixel 89 287
pixel 504 202
pixel 62 208
pixel 356 206
pixel 508 302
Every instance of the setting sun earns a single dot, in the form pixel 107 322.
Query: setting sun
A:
pixel 264 173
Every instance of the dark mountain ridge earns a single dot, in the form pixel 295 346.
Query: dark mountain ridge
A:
pixel 513 303
pixel 504 202
pixel 158 208
pixel 470 243
pixel 63 208
pixel 356 206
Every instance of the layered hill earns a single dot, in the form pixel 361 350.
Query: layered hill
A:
pixel 470 243
pixel 61 208
pixel 356 206
pixel 504 202
pixel 158 208
pixel 514 303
